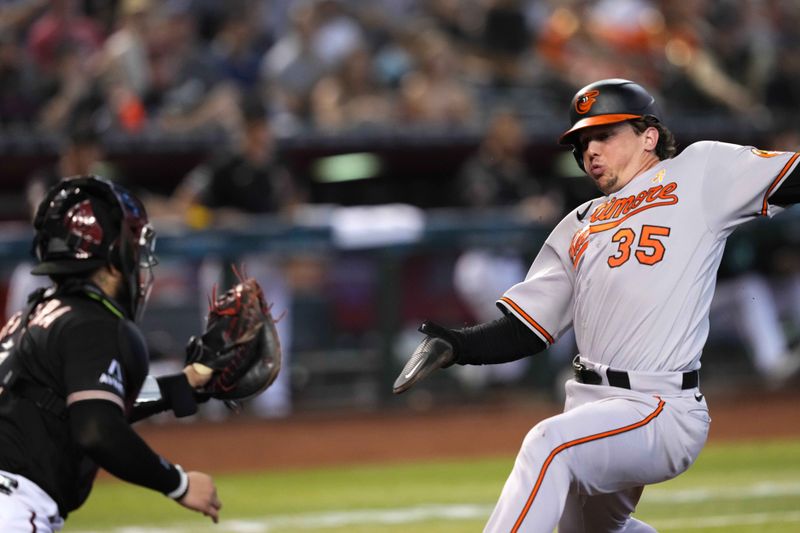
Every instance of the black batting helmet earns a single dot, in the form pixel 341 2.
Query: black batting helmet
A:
pixel 86 222
pixel 608 102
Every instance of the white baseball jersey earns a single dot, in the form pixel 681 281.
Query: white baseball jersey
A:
pixel 634 273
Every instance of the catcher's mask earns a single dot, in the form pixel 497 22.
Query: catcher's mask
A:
pixel 606 102
pixel 87 222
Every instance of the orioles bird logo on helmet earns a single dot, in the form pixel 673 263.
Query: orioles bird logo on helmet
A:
pixel 586 101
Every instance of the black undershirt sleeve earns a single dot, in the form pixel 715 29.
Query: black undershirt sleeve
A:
pixel 789 191
pixel 176 395
pixel 100 429
pixel 503 340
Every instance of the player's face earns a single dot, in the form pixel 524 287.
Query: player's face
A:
pixel 613 155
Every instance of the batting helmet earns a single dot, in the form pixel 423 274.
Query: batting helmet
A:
pixel 608 102
pixel 87 222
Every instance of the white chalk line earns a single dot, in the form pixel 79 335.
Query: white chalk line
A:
pixel 422 513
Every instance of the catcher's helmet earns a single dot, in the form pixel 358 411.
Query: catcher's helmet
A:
pixel 608 102
pixel 87 222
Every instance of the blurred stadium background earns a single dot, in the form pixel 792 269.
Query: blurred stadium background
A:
pixel 400 163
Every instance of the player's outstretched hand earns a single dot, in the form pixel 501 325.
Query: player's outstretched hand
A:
pixel 201 496
pixel 436 351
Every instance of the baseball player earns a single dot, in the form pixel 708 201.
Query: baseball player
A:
pixel 633 272
pixel 79 362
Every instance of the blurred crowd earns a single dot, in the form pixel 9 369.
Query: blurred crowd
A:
pixel 258 70
pixel 333 65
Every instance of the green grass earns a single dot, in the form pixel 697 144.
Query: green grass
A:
pixel 735 488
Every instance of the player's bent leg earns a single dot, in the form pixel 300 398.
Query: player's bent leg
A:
pixel 637 526
pixel 607 441
pixel 603 513
pixel 608 513
pixel 534 493
pixel 572 517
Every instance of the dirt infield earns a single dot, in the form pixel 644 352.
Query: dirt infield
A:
pixel 320 439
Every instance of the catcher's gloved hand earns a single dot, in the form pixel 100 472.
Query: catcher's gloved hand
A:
pixel 437 350
pixel 240 346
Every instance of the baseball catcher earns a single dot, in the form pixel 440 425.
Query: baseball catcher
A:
pixel 240 347
pixel 75 361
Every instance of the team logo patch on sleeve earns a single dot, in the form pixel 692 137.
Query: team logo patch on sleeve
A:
pixel 113 377
pixel 765 153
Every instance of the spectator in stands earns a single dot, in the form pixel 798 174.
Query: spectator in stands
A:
pixel 506 40
pixel 247 179
pixel 125 54
pixel 291 67
pixel 124 66
pixel 352 96
pixel 695 76
pixel 227 191
pixel 63 44
pixel 434 92
pixel 234 50
pixel 782 91
pixel 338 33
pixel 158 79
pixel 187 92
pixel 19 101
pixel 457 21
pixel 73 83
pixel 62 24
pixel 16 16
pixel 497 176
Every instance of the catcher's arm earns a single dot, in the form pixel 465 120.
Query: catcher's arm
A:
pixel 178 392
pixel 503 340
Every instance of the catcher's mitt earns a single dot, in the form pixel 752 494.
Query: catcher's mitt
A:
pixel 240 346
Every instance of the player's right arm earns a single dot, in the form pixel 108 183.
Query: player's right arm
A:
pixel 546 292
pixel 499 341
pixel 99 388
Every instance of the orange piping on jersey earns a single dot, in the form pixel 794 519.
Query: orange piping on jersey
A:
pixel 777 180
pixel 580 241
pixel 579 254
pixel 575 442
pixel 528 319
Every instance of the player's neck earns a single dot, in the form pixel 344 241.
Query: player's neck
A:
pixel 108 279
pixel 640 167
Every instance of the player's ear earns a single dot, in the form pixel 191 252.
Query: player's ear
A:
pixel 650 137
